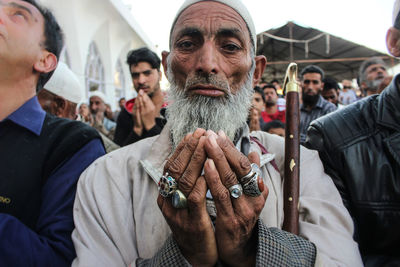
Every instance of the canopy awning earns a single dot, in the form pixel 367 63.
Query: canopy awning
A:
pixel 339 58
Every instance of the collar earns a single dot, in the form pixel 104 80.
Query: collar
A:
pixel 161 149
pixel 29 116
pixel 388 105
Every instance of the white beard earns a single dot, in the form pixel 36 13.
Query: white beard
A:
pixel 187 113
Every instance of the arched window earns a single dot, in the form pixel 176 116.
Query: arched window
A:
pixel 119 81
pixel 94 72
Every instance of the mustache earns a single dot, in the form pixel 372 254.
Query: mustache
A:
pixel 207 79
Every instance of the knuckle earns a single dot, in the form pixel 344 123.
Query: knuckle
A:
pixel 185 185
pixel 244 164
pixel 195 199
pixel 175 169
pixel 230 178
pixel 198 155
pixel 223 144
pixel 222 195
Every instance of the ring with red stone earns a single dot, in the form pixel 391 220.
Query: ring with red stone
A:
pixel 167 185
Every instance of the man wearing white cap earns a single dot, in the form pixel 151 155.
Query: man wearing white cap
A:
pixel 214 206
pixel 97 105
pixel 61 94
pixel 360 149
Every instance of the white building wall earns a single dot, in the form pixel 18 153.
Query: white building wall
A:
pixel 107 23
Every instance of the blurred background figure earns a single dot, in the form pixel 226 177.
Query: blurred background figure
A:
pixel 255 121
pixel 97 106
pixel 275 127
pixel 331 91
pixel 347 95
pixel 84 113
pixel 61 94
pixel 121 105
pixel 271 111
pixel 314 105
pixel 372 73
pixel 108 113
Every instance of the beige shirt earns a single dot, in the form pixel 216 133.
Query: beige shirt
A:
pixel 117 218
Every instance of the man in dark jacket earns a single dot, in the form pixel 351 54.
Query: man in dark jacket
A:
pixel 360 149
pixel 41 155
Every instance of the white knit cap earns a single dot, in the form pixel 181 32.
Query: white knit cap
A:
pixel 237 5
pixel 64 83
pixel 99 94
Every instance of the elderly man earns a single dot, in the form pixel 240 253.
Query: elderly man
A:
pixel 61 94
pixel 213 207
pixel 41 155
pixel 360 148
pixel 97 106
pixel 372 73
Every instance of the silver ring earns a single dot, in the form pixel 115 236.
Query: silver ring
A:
pixel 167 185
pixel 179 200
pixel 251 188
pixel 253 172
pixel 236 190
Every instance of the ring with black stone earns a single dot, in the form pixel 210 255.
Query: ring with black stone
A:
pixel 179 200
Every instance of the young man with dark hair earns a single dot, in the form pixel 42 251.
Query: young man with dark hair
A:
pixel 275 127
pixel 41 155
pixel 314 105
pixel 330 92
pixel 141 116
pixel 271 111
pixel 360 149
pixel 255 121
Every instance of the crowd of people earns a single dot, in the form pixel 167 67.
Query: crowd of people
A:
pixel 194 176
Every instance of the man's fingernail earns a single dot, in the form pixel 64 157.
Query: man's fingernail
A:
pixel 211 164
pixel 213 141
pixel 199 132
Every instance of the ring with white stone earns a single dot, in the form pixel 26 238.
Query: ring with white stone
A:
pixel 179 200
pixel 167 185
pixel 236 190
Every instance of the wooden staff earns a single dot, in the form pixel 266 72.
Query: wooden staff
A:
pixel 292 151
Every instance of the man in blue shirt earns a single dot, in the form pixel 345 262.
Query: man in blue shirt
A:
pixel 41 156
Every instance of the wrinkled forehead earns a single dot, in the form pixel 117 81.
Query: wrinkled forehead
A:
pixel 24 5
pixel 210 18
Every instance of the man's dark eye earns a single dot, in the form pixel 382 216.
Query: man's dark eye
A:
pixel 186 45
pixel 231 47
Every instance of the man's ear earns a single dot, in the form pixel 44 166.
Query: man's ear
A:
pixel 47 63
pixel 393 41
pixel 164 55
pixel 261 62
